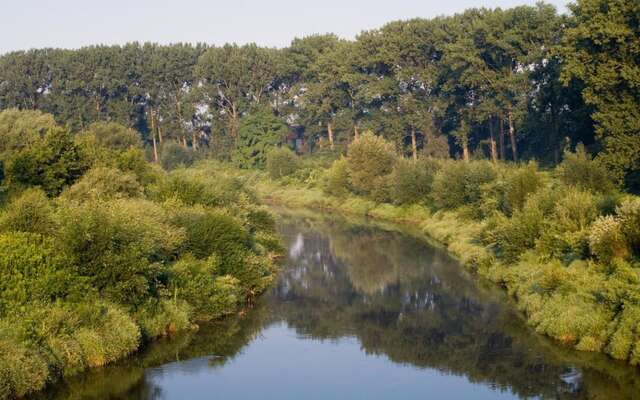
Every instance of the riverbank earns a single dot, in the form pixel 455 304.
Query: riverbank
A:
pixel 570 303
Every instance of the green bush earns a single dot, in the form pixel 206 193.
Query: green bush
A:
pixel 335 180
pixel 579 169
pixel 30 212
pixel 174 155
pixel 411 180
pixel 606 240
pixel 102 183
pixel 116 244
pixel 51 163
pixel 32 270
pixel 369 157
pixel 198 282
pixel 113 136
pixel 281 162
pixel 566 234
pixel 629 215
pixel 163 317
pixel 458 183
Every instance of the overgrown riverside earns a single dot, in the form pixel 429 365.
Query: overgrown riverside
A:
pixel 564 242
pixel 101 251
pixel 130 176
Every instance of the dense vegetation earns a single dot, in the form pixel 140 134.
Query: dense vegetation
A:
pixel 506 84
pixel 101 251
pixel 564 242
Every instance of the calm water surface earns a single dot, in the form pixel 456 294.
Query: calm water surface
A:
pixel 362 312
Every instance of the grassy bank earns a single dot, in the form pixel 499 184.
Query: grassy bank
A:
pixel 563 243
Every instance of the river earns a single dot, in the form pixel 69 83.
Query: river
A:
pixel 362 311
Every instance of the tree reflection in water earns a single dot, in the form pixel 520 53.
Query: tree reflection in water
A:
pixel 400 298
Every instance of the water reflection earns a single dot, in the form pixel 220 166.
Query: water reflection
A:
pixel 353 302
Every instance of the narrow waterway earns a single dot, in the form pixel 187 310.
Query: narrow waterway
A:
pixel 362 311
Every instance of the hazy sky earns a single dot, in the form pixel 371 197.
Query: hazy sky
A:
pixel 28 24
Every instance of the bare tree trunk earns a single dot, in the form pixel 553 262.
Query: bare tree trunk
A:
pixel 492 142
pixel 414 144
pixel 330 131
pixel 465 150
pixel 184 141
pixel 501 138
pixel 159 134
pixel 355 131
pixel 194 141
pixel 153 136
pixel 512 136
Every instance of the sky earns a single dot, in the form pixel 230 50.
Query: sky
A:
pixel 26 24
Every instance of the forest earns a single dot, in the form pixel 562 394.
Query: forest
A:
pixel 133 177
pixel 506 84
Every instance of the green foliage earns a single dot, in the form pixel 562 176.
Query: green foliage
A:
pixel 335 180
pixel 580 170
pixel 606 240
pixel 114 245
pixel 281 162
pixel 20 129
pixel 369 157
pixel 199 283
pixel 258 134
pixel 174 155
pixel 31 270
pixel 629 216
pixel 102 183
pixel 52 163
pixel 30 212
pixel 411 180
pixel 457 184
pixel 113 136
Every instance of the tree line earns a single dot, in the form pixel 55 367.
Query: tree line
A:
pixel 505 84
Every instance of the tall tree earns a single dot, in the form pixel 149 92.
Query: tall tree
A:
pixel 602 49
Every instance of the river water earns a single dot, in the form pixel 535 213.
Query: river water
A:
pixel 362 311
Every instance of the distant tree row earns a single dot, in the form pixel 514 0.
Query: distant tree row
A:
pixel 506 84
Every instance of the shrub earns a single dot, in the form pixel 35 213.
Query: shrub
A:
pixel 606 240
pixel 115 245
pixel 629 215
pixel 281 162
pixel 369 157
pixel 52 163
pixel 335 180
pixel 459 183
pixel 113 135
pixel 520 183
pixel 411 180
pixel 22 128
pixel 163 317
pixel 579 169
pixel 511 237
pixel 174 155
pixel 31 212
pixel 31 269
pixel 566 234
pixel 209 295
pixel 102 183
pixel 257 135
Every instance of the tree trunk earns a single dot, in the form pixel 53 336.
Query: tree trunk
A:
pixel 184 141
pixel 465 150
pixel 194 141
pixel 159 134
pixel 330 132
pixel 414 144
pixel 153 136
pixel 355 131
pixel 501 138
pixel 492 142
pixel 512 136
